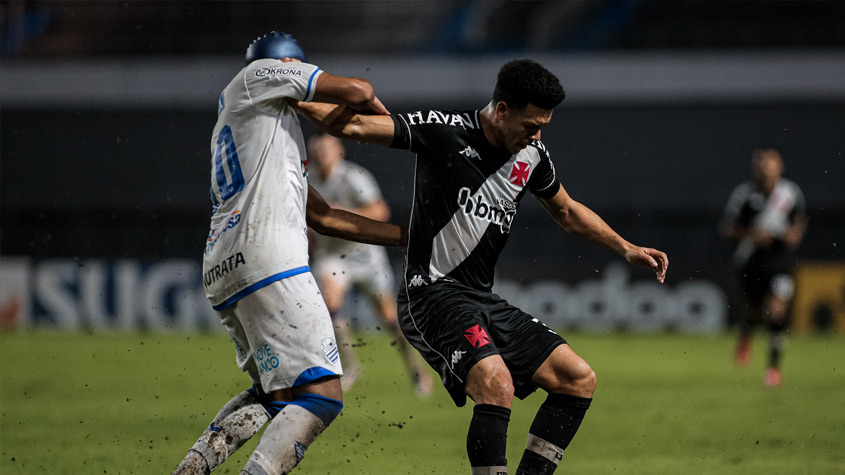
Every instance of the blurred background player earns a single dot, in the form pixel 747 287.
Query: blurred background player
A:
pixel 767 218
pixel 339 265
pixel 255 263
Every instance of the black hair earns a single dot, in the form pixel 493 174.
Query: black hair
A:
pixel 522 82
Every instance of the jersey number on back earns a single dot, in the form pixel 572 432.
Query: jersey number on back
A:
pixel 227 168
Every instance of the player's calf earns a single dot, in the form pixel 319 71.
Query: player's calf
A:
pixel 554 426
pixel 293 429
pixel 237 421
pixel 487 439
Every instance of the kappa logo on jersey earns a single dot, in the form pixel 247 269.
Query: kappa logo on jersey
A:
pixel 456 356
pixel 416 281
pixel 446 118
pixel 278 72
pixel 470 152
pixel 476 206
pixel 519 173
pixel 477 336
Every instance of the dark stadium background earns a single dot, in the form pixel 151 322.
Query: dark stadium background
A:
pixel 107 110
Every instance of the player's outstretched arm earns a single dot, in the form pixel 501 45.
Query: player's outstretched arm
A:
pixel 346 123
pixel 581 221
pixel 346 225
pixel 352 92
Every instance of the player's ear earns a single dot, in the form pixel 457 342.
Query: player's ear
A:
pixel 501 109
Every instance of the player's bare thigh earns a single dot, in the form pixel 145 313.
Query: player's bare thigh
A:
pixel 564 372
pixel 328 387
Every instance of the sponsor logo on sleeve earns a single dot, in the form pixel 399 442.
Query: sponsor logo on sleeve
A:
pixel 463 121
pixel 276 72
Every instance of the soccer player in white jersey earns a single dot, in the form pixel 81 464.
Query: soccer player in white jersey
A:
pixel 339 264
pixel 472 169
pixel 255 264
pixel 766 217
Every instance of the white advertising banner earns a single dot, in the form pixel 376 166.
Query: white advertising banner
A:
pixel 613 301
pixel 131 295
pixel 99 294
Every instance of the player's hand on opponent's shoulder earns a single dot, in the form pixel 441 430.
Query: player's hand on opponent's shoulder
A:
pixel 648 257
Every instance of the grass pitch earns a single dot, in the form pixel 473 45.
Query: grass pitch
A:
pixel 665 404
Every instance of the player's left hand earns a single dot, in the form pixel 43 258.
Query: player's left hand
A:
pixel 648 257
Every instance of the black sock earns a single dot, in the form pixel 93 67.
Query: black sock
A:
pixel 487 438
pixel 778 335
pixel 553 428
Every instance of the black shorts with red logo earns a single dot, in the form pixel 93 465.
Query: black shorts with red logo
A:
pixel 454 326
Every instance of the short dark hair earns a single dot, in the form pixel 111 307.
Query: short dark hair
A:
pixel 522 82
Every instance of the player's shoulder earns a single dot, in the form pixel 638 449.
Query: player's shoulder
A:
pixel 790 184
pixel 273 70
pixel 457 119
pixel 352 169
pixel 744 188
pixel 541 147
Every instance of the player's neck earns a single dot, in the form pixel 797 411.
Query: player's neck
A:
pixel 767 186
pixel 487 119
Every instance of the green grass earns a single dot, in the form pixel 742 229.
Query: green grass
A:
pixel 665 404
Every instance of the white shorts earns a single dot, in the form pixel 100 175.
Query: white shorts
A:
pixel 283 334
pixel 369 269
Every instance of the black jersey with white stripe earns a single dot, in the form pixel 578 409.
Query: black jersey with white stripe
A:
pixel 773 214
pixel 466 194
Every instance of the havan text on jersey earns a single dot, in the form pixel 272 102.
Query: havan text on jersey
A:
pixel 439 117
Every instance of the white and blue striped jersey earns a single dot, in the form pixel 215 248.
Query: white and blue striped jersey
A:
pixel 258 181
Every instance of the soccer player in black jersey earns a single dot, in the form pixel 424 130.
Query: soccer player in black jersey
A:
pixel 472 169
pixel 767 219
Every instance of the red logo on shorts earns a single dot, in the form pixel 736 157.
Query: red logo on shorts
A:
pixel 477 336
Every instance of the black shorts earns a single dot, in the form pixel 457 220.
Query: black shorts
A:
pixel 762 275
pixel 454 326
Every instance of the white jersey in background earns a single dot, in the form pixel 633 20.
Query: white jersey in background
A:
pixel 349 186
pixel 258 182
